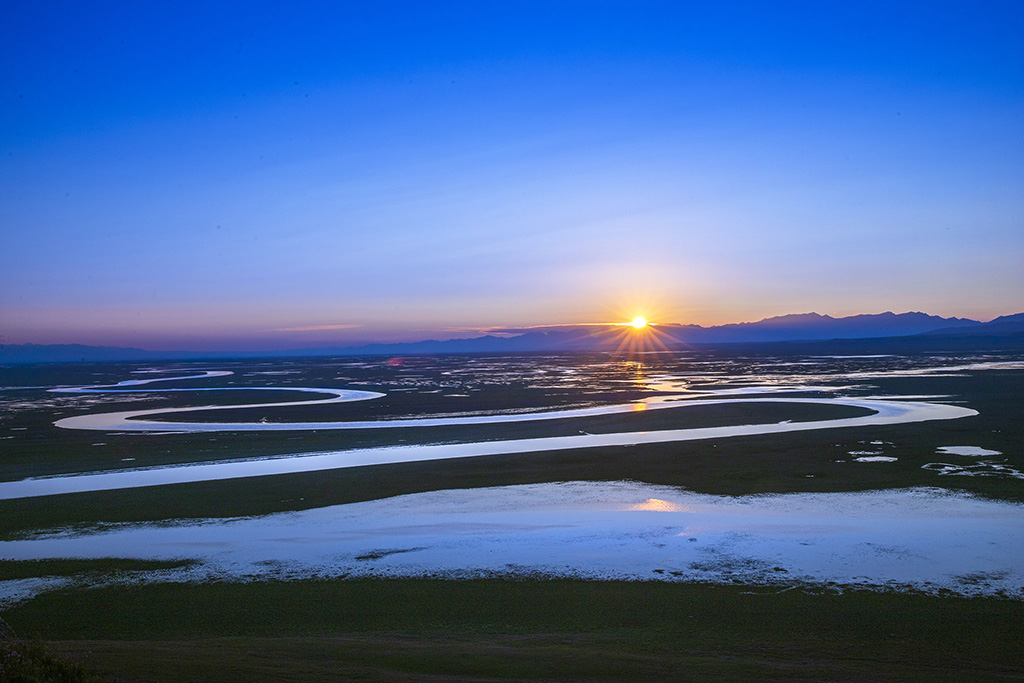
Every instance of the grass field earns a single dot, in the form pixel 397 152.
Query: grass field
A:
pixel 526 630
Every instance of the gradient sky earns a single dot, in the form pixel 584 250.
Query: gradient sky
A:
pixel 296 174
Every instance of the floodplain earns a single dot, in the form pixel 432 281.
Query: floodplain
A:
pixel 702 485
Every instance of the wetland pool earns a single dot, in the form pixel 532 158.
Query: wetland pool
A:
pixel 922 539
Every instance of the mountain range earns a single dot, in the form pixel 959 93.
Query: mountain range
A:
pixel 805 327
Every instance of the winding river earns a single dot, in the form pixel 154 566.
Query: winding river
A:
pixel 885 411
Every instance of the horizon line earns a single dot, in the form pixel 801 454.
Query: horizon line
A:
pixel 483 333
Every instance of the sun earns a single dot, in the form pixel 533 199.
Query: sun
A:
pixel 637 337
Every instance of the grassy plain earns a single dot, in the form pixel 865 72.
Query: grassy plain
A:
pixel 524 630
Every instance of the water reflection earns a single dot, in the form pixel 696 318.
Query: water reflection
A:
pixel 922 538
pixel 658 505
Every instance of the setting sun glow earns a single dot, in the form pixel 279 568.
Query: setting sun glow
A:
pixel 639 323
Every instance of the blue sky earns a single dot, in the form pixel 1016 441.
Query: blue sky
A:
pixel 271 176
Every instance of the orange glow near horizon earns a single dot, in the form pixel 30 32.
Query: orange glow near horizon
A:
pixel 639 323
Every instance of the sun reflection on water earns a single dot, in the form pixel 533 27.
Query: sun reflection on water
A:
pixel 659 505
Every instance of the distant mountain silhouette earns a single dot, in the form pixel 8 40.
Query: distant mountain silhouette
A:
pixel 815 326
pixel 796 327
pixel 914 329
pixel 68 353
pixel 1001 326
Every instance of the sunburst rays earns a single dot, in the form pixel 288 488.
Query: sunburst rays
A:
pixel 637 337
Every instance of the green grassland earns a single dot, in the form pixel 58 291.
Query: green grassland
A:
pixel 524 630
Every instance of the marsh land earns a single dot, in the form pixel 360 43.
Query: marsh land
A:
pixel 673 515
